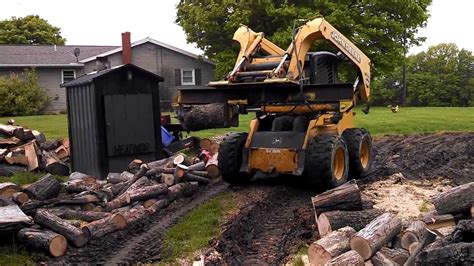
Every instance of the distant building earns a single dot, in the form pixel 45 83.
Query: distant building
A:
pixel 58 64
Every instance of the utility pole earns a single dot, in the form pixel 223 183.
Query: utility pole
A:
pixel 403 94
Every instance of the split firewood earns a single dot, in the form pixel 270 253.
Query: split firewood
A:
pixel 182 190
pixel 330 246
pixel 87 216
pixel 20 197
pixel 16 156
pixel 87 179
pixel 134 165
pixel 415 233
pixel 200 166
pixel 456 200
pixel 192 177
pixel 8 142
pixel 344 198
pixel 148 192
pixel 143 169
pixel 51 145
pixel 333 220
pixel 7 189
pixel 10 130
pixel 104 226
pixel 212 166
pixel 27 135
pixel 167 179
pixel 45 188
pixel 54 165
pixel 12 218
pixel 61 152
pixel 118 202
pixel 181 159
pixel 31 155
pixel 349 258
pixel 205 144
pixel 53 222
pixel 39 137
pixel 49 241
pixel 376 234
pixel 435 221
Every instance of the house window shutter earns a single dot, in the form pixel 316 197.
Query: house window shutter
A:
pixel 177 77
pixel 197 75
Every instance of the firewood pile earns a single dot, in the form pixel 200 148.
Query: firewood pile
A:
pixel 48 215
pixel 351 235
pixel 22 150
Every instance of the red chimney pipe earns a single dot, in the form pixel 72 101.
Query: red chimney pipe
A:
pixel 126 48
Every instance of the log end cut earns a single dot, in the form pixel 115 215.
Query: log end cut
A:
pixel 361 246
pixel 119 221
pixel 317 255
pixel 58 246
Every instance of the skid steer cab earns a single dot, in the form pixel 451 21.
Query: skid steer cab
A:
pixel 304 119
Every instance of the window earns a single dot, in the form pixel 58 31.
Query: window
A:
pixel 187 77
pixel 68 75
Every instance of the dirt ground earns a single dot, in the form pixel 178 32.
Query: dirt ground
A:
pixel 275 216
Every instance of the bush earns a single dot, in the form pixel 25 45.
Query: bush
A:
pixel 20 94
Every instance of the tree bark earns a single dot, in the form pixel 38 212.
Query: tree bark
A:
pixel 157 205
pixel 398 255
pixel 83 199
pixel 45 188
pixel 344 198
pixel 7 189
pixel 349 258
pixel 453 254
pixel 415 233
pixel 12 218
pixel 182 190
pixel 192 177
pixel 333 220
pixel 376 234
pixel 48 241
pixel 143 169
pixel 104 226
pixel 434 221
pixel 135 214
pixel 134 165
pixel 87 216
pixel 379 259
pixel 456 200
pixel 20 197
pixel 148 192
pixel 160 170
pixel 53 222
pixel 160 163
pixel 140 183
pixel 118 202
pixel 206 116
pixel 330 246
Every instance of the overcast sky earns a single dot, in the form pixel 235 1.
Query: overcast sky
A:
pixel 99 22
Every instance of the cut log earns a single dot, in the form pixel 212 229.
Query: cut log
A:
pixel 158 205
pixel 214 148
pixel 20 197
pixel 344 198
pixel 78 186
pixel 135 214
pixel 51 145
pixel 456 200
pixel 140 183
pixel 80 199
pixel 182 190
pixel 87 179
pixel 134 165
pixel 452 254
pixel 27 135
pixel 205 116
pixel 415 233
pixel 379 259
pixel 472 211
pixel 17 156
pixel 349 258
pixel 105 226
pixel 118 202
pixel 75 223
pixel 205 144
pixel 53 222
pixel 48 241
pixel 212 166
pixel 54 165
pixel 200 166
pixel 148 192
pixel 31 155
pixel 159 163
pixel 7 189
pixel 192 177
pixel 9 170
pixel 167 179
pixel 6 202
pixel 115 178
pixel 87 216
pixel 434 221
pixel 31 206
pixel 398 255
pixel 376 234
pixel 181 159
pixel 143 169
pixel 333 220
pixel 45 188
pixel 160 170
pixel 330 246
pixel 12 218
pixel 10 130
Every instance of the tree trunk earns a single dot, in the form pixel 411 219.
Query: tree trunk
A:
pixel 330 246
pixel 191 177
pixel 104 226
pixel 118 202
pixel 456 200
pixel 54 165
pixel 7 189
pixel 333 220
pixel 167 179
pixel 148 192
pixel 415 233
pixel 87 216
pixel 20 197
pixel 376 234
pixel 453 254
pixel 349 258
pixel 344 198
pixel 12 218
pixel 45 188
pixel 48 241
pixel 434 221
pixel 182 190
pixel 53 222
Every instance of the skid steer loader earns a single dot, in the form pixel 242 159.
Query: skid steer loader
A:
pixel 304 120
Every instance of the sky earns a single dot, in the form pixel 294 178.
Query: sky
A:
pixel 100 22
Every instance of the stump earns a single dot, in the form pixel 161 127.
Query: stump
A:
pixel 333 220
pixel 456 200
pixel 343 198
pixel 376 234
pixel 51 242
pixel 104 226
pixel 330 246
pixel 349 258
pixel 45 188
pixel 53 222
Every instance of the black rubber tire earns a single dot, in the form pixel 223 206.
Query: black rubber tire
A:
pixel 230 159
pixel 319 161
pixel 354 138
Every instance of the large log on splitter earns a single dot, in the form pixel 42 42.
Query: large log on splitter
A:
pixel 51 242
pixel 456 200
pixel 330 246
pixel 376 234
pixel 206 116
pixel 333 220
pixel 344 198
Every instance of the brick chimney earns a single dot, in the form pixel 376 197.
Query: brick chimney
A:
pixel 126 48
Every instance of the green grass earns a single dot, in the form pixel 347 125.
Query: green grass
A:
pixel 52 126
pixel 23 178
pixel 195 229
pixel 11 257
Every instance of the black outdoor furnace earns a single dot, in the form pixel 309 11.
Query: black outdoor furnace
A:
pixel 113 118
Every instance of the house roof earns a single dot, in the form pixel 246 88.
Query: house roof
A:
pixel 89 77
pixel 148 40
pixel 47 55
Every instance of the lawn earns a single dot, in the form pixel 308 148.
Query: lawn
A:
pixel 52 126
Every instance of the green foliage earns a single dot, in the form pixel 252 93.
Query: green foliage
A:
pixel 196 228
pixel 374 26
pixel 20 94
pixel 29 30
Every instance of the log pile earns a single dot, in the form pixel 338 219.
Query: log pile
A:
pixel 353 236
pixel 22 149
pixel 48 215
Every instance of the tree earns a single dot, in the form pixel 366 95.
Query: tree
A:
pixel 374 26
pixel 29 30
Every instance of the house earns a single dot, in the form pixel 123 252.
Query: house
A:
pixel 58 64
